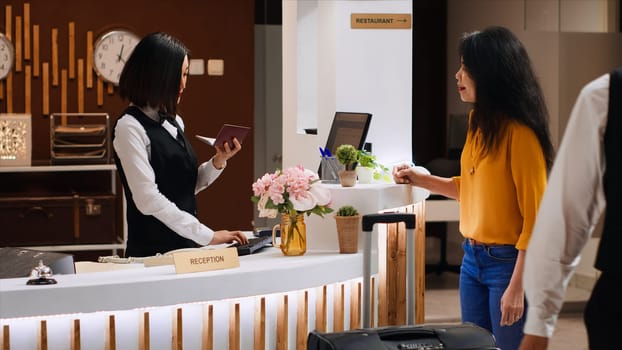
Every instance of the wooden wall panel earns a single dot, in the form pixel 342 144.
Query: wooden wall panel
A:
pixel 210 29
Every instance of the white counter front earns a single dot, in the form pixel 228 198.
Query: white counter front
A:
pixel 259 274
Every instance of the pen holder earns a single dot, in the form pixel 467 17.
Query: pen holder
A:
pixel 330 168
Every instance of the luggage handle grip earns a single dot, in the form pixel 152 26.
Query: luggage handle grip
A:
pixel 388 218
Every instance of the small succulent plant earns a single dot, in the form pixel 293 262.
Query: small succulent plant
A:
pixel 347 155
pixel 347 210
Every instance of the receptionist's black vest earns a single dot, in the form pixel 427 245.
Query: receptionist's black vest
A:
pixel 608 256
pixel 175 168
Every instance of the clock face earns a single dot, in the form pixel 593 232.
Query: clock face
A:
pixel 7 56
pixel 110 53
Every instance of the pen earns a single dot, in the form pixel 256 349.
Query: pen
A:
pixel 325 152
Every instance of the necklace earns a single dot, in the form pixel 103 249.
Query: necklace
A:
pixel 475 152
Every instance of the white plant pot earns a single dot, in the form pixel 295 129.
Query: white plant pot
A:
pixel 365 175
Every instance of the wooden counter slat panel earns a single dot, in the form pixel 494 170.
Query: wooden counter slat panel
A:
pixel 5 342
pixel 144 335
pixel 75 335
pixel 355 304
pixel 234 326
pixel 178 330
pixel 302 320
pixel 43 336
pixel 338 307
pixel 111 342
pixel 419 290
pixel 320 309
pixel 207 335
pixel 259 339
pixel 281 324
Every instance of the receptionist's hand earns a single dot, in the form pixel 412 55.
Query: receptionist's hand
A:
pixel 225 236
pixel 224 152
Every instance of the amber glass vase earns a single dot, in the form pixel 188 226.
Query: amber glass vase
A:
pixel 293 235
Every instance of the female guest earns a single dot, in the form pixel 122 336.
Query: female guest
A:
pixel 504 165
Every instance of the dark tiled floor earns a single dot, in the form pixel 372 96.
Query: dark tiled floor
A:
pixel 442 305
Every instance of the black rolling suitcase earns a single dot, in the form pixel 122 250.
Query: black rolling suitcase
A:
pixel 465 336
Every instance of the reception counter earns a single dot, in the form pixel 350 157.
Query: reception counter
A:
pixel 262 273
pixel 269 302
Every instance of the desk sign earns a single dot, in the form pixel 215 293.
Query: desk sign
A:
pixel 206 260
pixel 380 21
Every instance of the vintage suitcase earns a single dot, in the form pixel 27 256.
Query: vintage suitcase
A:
pixel 80 138
pixel 58 220
pixel 465 336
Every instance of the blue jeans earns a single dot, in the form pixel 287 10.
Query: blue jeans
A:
pixel 484 275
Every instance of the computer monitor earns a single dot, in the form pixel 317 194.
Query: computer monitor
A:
pixel 348 128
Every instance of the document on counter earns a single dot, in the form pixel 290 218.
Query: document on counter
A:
pixel 226 134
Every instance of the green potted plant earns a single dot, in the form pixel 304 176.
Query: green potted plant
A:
pixel 348 220
pixel 347 155
pixel 366 166
pixel 369 168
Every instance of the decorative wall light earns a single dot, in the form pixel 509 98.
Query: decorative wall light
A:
pixel 15 139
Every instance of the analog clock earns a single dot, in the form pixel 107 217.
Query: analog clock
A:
pixel 7 56
pixel 110 53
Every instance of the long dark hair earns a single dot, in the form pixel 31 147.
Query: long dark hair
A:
pixel 506 87
pixel 152 75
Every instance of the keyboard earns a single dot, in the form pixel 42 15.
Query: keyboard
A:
pixel 254 245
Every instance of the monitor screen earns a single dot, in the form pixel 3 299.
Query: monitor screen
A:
pixel 348 128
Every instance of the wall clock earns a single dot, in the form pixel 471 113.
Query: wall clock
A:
pixel 7 56
pixel 111 51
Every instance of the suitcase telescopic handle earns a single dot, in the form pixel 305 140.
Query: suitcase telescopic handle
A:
pixel 369 221
pixel 388 218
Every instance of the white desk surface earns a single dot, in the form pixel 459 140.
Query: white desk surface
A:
pixel 262 273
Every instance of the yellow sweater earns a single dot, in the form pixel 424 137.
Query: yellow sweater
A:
pixel 500 193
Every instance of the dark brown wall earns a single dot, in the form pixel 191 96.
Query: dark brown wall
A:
pixel 220 29
pixel 429 80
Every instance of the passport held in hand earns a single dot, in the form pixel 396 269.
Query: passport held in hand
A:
pixel 226 134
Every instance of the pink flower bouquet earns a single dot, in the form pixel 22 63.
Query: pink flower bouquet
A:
pixel 292 191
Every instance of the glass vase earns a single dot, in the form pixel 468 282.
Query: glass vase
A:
pixel 293 235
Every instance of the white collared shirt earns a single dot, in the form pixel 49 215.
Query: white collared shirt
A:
pixel 133 148
pixel 570 209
